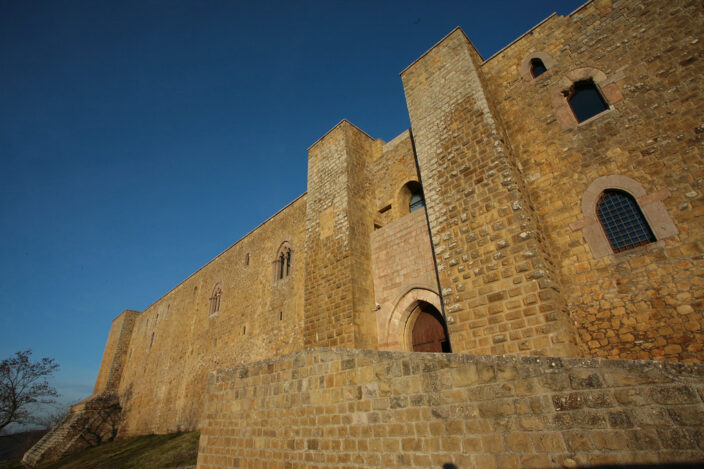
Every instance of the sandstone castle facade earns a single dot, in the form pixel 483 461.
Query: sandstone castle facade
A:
pixel 546 202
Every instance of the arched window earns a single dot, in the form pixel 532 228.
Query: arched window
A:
pixel 537 67
pixel 619 214
pixel 622 220
pixel 586 100
pixel 417 201
pixel 215 300
pixel 283 263
pixel 409 198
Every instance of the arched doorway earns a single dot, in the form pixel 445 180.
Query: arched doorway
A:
pixel 428 330
pixel 397 331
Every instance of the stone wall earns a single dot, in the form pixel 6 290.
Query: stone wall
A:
pixel 115 354
pixel 507 173
pixel 87 423
pixel 178 340
pixel 646 56
pixel 356 408
pixel 497 276
pixel 392 170
pixel 339 294
pixel 402 262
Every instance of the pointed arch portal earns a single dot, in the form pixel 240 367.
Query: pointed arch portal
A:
pixel 417 324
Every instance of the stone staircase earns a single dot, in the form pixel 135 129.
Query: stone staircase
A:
pixel 87 423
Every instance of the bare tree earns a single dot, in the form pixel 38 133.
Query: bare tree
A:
pixel 50 418
pixel 23 382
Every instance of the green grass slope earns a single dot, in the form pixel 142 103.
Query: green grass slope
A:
pixel 142 452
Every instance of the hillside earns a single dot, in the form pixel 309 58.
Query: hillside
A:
pixel 144 452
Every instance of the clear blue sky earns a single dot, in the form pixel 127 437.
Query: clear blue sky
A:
pixel 139 139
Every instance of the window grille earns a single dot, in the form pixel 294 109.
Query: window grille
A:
pixel 623 222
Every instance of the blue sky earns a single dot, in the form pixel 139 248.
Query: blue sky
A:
pixel 139 139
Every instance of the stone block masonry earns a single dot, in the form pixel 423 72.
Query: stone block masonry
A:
pixel 646 302
pixel 322 408
pixel 339 293
pixel 496 274
pixel 511 250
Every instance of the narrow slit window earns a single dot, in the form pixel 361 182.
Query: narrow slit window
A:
pixel 623 222
pixel 586 100
pixel 537 67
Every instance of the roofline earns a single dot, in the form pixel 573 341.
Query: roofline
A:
pixel 227 249
pixel 126 311
pixel 437 44
pixel 535 27
pixel 336 126
pixel 520 37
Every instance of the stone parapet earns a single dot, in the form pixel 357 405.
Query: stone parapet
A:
pixel 361 408
pixel 88 423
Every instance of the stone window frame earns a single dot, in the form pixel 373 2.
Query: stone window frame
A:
pixel 606 85
pixel 399 325
pixel 651 206
pixel 214 300
pixel 547 60
pixel 286 250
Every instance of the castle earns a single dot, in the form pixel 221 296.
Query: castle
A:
pixel 546 202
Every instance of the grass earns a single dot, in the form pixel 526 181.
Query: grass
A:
pixel 142 452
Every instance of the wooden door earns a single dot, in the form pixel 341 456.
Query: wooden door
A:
pixel 429 334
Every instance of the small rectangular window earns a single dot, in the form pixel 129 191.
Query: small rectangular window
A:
pixel 246 259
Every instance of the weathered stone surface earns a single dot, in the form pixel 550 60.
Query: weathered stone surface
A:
pixel 411 427
pixel 508 251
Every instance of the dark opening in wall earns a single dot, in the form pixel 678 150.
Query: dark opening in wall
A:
pixel 417 200
pixel 586 100
pixel 537 67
